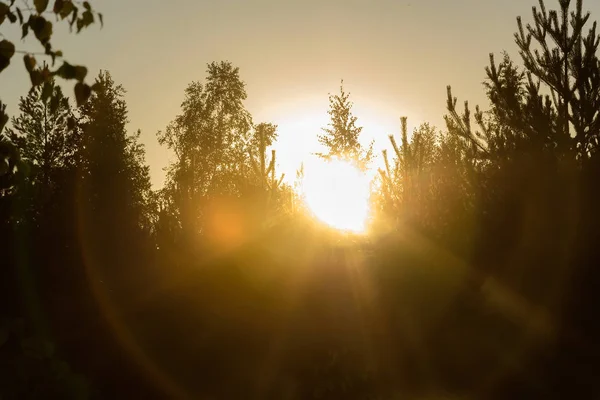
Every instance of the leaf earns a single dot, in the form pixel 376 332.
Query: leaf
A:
pixel 86 5
pixel 58 5
pixel 82 93
pixel 66 7
pixel 25 30
pixel 41 28
pixel 80 73
pixel 30 62
pixel 87 18
pixel 101 18
pixel 3 11
pixel 74 17
pixel 20 15
pixel 12 17
pixel 40 5
pixel 7 50
pixel 68 71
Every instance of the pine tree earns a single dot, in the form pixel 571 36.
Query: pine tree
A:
pixel 263 180
pixel 531 169
pixel 549 105
pixel 264 172
pixel 45 132
pixel 341 137
pixel 115 181
pixel 407 181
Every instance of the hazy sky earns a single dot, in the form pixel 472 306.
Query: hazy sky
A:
pixel 395 56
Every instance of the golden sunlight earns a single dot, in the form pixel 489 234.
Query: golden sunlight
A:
pixel 337 193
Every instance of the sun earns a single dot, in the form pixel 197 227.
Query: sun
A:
pixel 337 193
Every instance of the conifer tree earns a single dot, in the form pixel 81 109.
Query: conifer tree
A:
pixel 45 132
pixel 341 137
pixel 548 105
pixel 264 172
pixel 115 181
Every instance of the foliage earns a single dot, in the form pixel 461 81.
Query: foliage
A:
pixel 45 132
pixel 265 173
pixel 35 19
pixel 550 105
pixel 342 137
pixel 209 142
pixel 115 178
pixel 480 280
pixel 408 182
pixel 79 14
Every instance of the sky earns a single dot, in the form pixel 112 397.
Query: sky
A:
pixel 396 58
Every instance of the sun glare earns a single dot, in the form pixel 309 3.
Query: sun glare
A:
pixel 337 193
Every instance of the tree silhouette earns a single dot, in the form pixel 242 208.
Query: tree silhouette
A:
pixel 479 280
pixel 265 173
pixel 341 138
pixel 80 14
pixel 209 142
pixel 528 168
pixel 408 182
pixel 114 182
pixel 45 133
pixel 562 63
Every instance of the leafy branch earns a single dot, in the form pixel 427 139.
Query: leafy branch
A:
pixel 78 15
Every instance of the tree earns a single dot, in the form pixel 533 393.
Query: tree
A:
pixel 113 188
pixel 341 138
pixel 264 173
pixel 209 139
pixel 262 182
pixel 549 105
pixel 114 174
pixel 80 14
pixel 408 182
pixel 46 133
pixel 533 167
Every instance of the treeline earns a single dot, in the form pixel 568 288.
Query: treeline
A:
pixel 479 279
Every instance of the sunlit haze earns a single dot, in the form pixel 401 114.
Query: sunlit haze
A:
pixel 396 58
pixel 337 193
pixel 299 199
